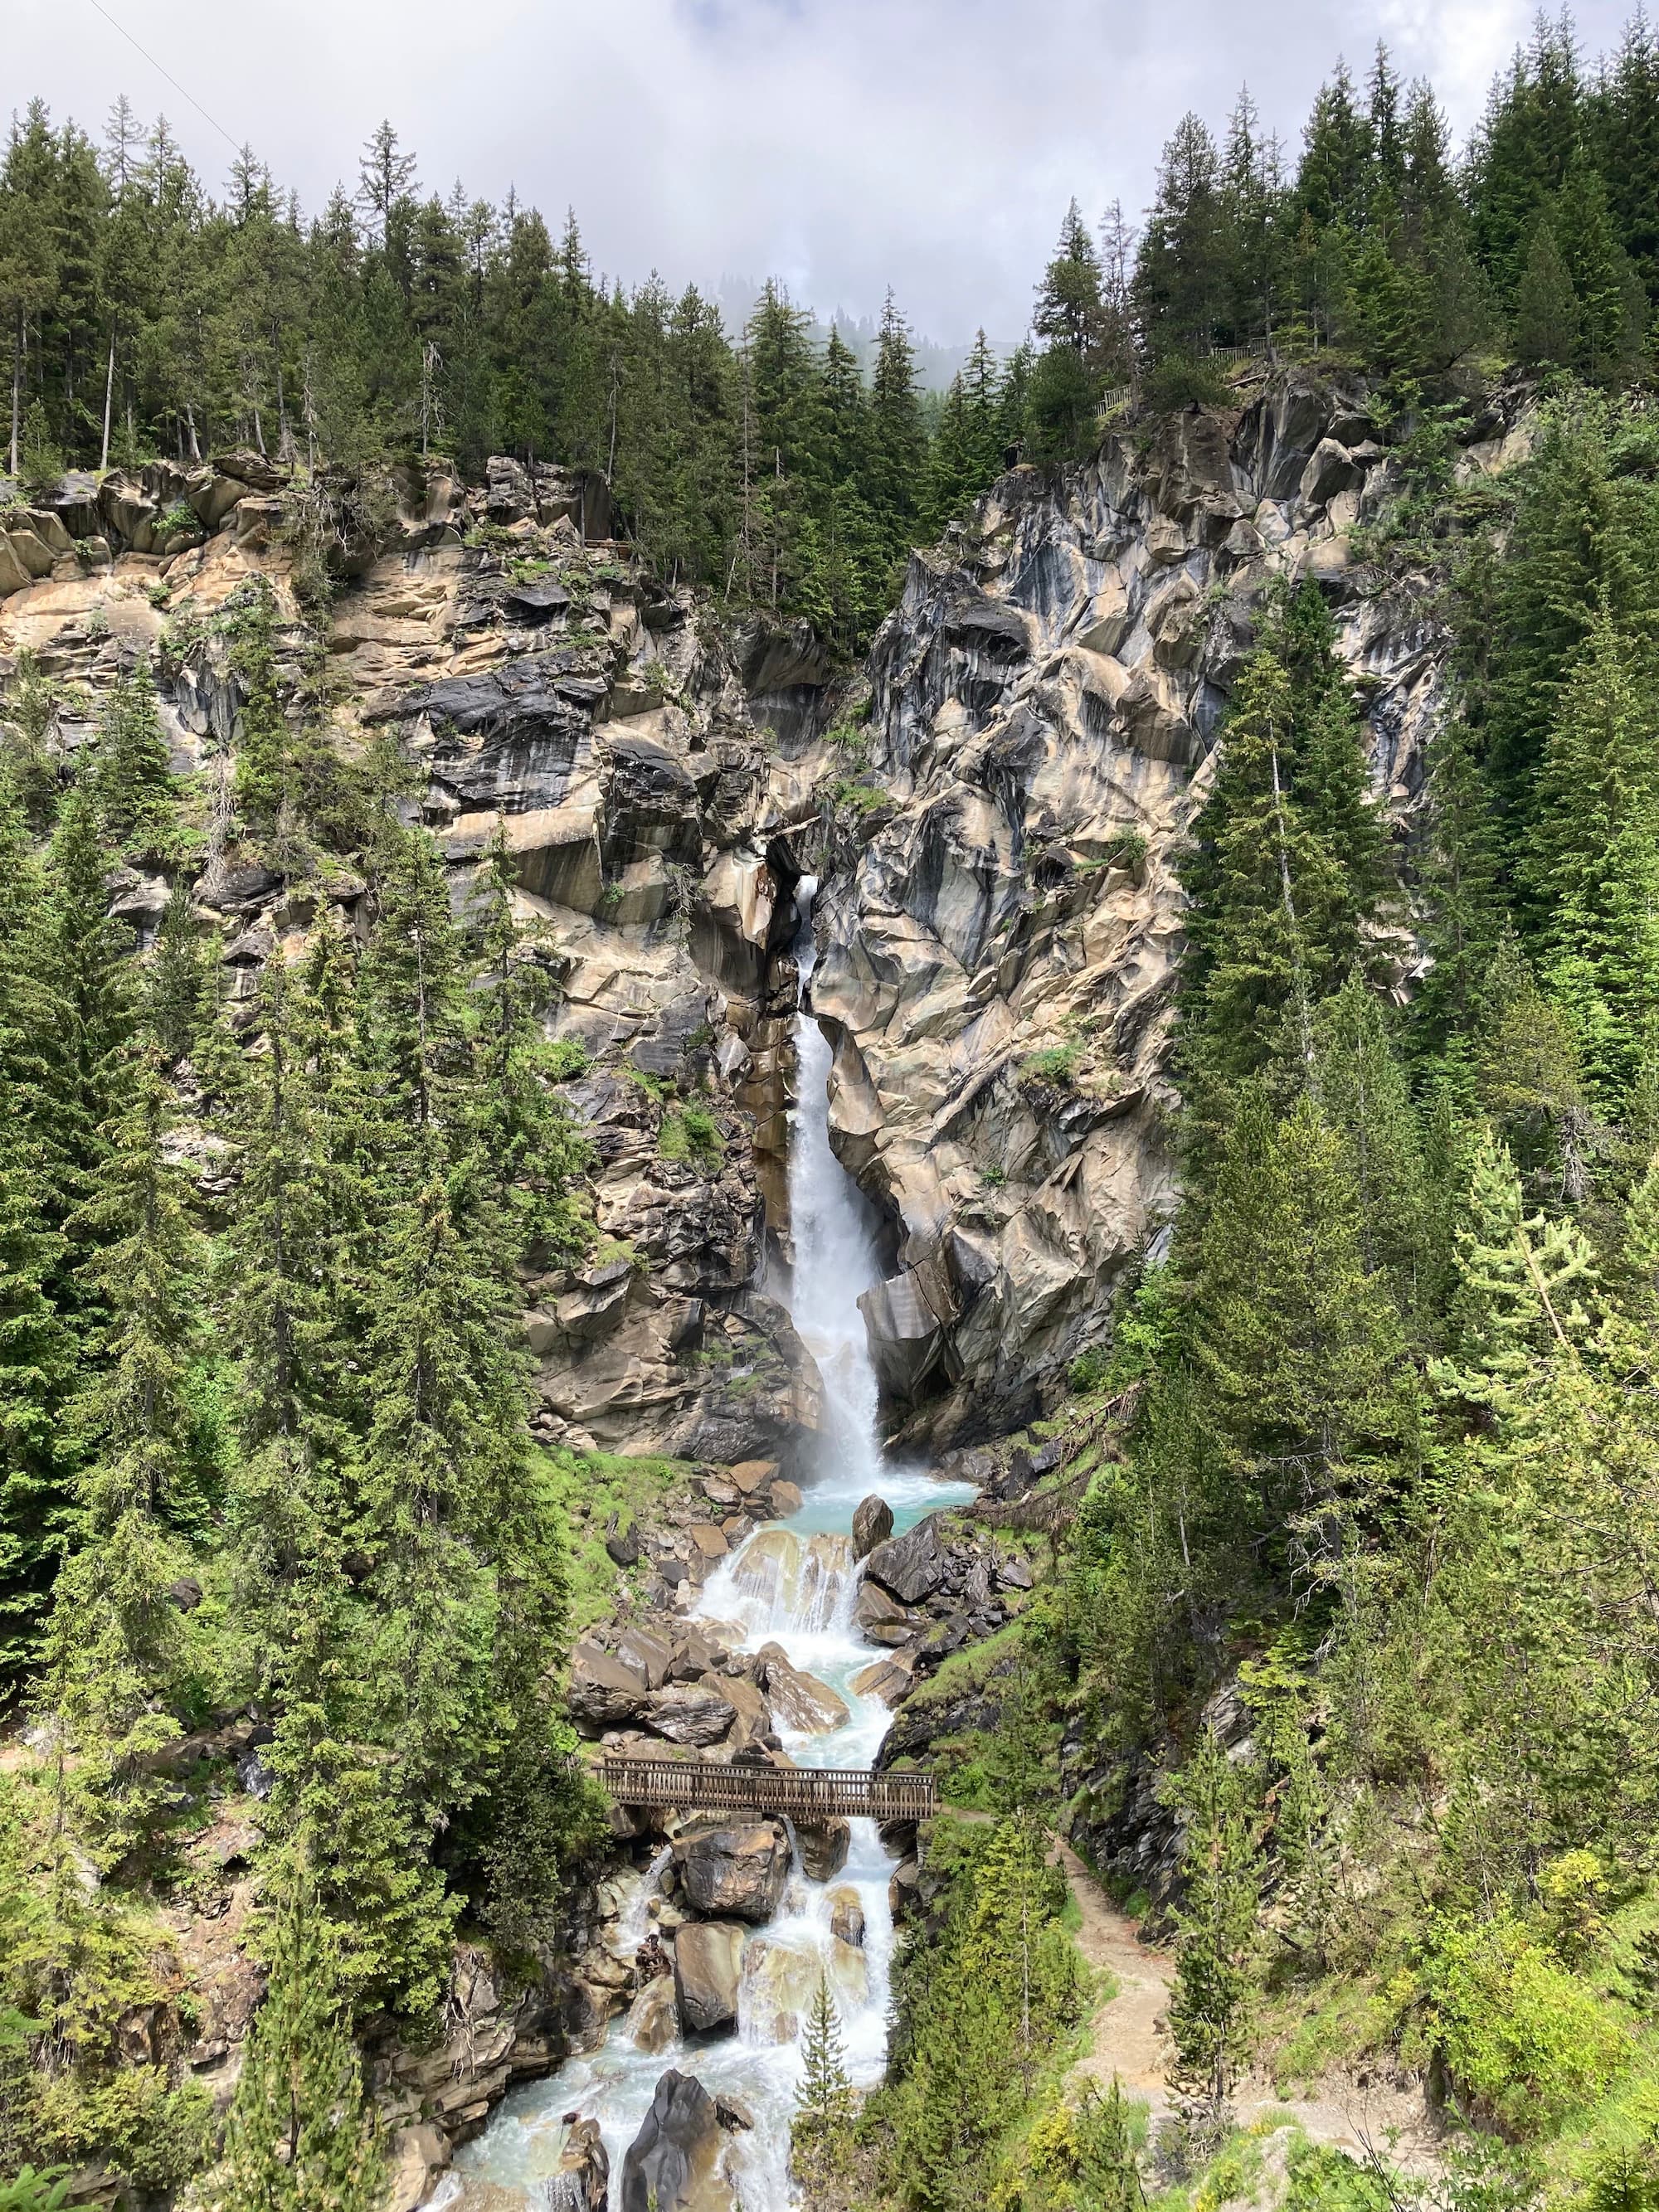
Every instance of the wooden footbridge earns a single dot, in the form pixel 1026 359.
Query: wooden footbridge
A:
pixel 805 1794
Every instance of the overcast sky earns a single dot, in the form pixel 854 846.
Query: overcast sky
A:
pixel 844 145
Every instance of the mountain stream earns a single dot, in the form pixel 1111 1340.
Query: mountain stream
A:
pixel 793 1582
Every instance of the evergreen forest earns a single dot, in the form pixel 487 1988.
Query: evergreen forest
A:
pixel 1329 1635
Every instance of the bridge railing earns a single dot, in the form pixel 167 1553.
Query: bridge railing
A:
pixel 802 1793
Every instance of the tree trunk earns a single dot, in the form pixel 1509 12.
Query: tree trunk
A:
pixel 17 395
pixel 109 401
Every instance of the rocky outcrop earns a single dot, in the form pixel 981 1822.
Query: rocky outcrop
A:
pixel 873 1524
pixel 997 937
pixel 707 1962
pixel 676 2163
pixel 740 1871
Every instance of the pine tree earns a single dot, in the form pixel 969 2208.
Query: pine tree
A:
pixel 897 442
pixel 132 781
pixel 1276 908
pixel 1363 1094
pixel 1593 863
pixel 301 2136
pixel 37 1373
pixel 113 1648
pixel 1547 317
pixel 1296 1337
pixel 1522 1283
pixel 1216 1983
pixel 824 2095
pixel 1180 279
pixel 179 999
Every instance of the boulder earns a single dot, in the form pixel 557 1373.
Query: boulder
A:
pixel 784 1499
pixel 779 1984
pixel 652 2022
pixel 416 2157
pixel 651 1655
pixel 708 1963
pixel 889 1679
pixel 688 1713
pixel 605 1692
pixel 622 1544
pixel 874 1608
pixel 873 1524
pixel 823 1849
pixel 911 1566
pixel 799 1700
pixel 752 1721
pixel 751 1475
pixel 581 2180
pixel 740 1870
pixel 674 2164
pixel 846 1915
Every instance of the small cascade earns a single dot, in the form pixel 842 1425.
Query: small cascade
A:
pixel 794 1584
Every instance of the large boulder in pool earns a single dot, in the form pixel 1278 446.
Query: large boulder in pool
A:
pixel 911 1566
pixel 676 2163
pixel 873 1524
pixel 708 1965
pixel 740 1870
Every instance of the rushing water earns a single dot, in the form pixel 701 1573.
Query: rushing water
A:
pixel 794 1584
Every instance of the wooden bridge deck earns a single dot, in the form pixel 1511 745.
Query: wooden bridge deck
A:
pixel 808 1794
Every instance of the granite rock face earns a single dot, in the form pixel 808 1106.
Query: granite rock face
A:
pixel 998 936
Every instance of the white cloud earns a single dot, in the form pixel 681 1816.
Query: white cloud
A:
pixel 843 144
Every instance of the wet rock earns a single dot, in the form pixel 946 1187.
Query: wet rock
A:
pixel 779 1984
pixel 848 1971
pixel 823 1849
pixel 889 1679
pixel 708 1963
pixel 674 2164
pixel 799 1700
pixel 784 1499
pixel 874 1608
pixel 911 1566
pixel 581 2180
pixel 688 1713
pixel 652 2022
pixel 903 1887
pixel 847 1916
pixel 873 1524
pixel 415 2156
pixel 741 1870
pixel 733 2113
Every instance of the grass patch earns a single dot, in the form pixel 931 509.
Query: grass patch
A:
pixel 590 1486
pixel 691 1135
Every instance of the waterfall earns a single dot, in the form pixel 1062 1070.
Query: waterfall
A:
pixel 834 1227
pixel 794 1584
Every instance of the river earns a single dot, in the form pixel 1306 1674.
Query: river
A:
pixel 799 1592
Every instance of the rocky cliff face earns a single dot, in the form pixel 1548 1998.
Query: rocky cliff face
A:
pixel 1000 929
pixel 655 777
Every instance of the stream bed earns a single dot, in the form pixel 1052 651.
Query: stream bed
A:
pixel 793 1582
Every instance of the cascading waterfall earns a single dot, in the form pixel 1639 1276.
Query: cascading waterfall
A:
pixel 794 1584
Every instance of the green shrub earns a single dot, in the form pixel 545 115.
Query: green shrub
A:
pixel 1089 1370
pixel 567 1059
pixel 691 1135
pixel 1184 381
pixel 1058 1065
pixel 42 469
pixel 29 2192
pixel 1523 2038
